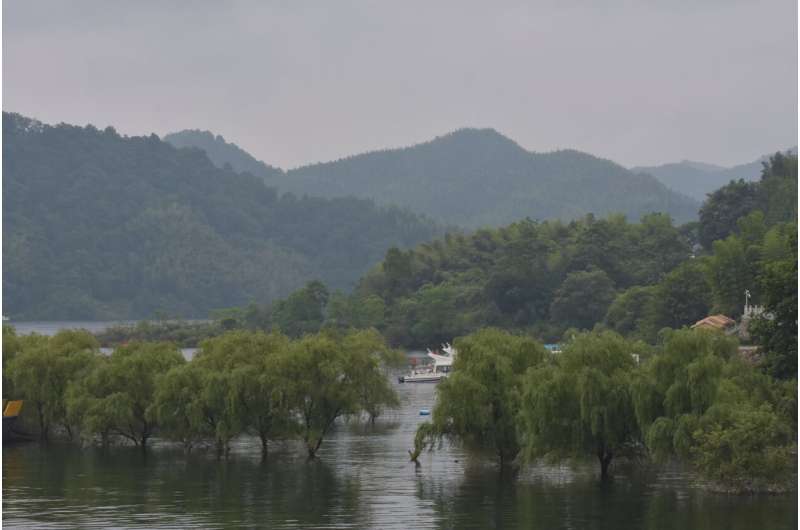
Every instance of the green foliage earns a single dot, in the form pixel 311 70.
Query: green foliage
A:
pixel 303 311
pixel 478 404
pixel 527 276
pixel 116 397
pixel 328 376
pixel 105 227
pixel 582 404
pixel 583 299
pixel 178 408
pixel 696 399
pixel 683 297
pixel 720 211
pixel 634 313
pixel 11 347
pixel 746 447
pixel 732 269
pixel 778 334
pixel 42 369
pixel 181 333
pixel 774 194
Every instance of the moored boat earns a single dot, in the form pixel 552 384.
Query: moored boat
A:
pixel 434 372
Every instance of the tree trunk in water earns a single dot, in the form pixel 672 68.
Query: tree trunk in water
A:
pixel 43 427
pixel 605 461
pixel 312 449
pixel 263 445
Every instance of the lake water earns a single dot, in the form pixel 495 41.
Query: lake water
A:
pixel 362 479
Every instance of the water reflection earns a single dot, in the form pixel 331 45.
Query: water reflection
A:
pixel 362 480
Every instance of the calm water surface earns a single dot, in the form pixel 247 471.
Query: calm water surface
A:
pixel 361 480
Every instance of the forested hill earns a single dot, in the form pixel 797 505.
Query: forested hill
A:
pixel 478 177
pixel 697 179
pixel 221 153
pixel 101 226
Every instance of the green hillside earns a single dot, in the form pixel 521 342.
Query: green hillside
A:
pixel 101 226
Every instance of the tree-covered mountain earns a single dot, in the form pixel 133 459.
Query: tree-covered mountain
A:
pixel 478 177
pixel 697 179
pixel 101 226
pixel 223 153
pixel 544 278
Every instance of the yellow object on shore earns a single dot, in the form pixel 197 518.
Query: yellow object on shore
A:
pixel 12 409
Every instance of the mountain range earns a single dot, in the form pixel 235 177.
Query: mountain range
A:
pixel 469 178
pixel 697 179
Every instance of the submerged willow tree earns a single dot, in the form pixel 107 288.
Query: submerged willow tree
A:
pixel 241 386
pixel 330 375
pixel 699 401
pixel 116 397
pixel 477 405
pixel 43 368
pixel 581 404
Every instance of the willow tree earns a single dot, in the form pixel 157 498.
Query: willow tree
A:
pixel 581 404
pixel 478 404
pixel 241 386
pixel 42 370
pixel 177 407
pixel 194 404
pixel 324 377
pixel 698 401
pixel 115 398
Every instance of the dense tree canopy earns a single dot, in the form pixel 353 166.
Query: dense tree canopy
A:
pixel 696 399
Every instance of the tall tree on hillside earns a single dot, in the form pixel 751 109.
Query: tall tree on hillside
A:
pixel 778 335
pixel 583 299
pixel 724 207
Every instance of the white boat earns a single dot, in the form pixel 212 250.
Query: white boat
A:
pixel 434 372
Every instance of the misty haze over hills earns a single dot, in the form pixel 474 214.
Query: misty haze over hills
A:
pixel 470 178
pixel 696 179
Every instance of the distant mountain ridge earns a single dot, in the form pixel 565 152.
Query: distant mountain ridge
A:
pixel 221 152
pixel 697 179
pixel 478 177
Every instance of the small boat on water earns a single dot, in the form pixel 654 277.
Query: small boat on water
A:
pixel 432 372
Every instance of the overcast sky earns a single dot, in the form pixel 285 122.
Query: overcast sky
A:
pixel 299 82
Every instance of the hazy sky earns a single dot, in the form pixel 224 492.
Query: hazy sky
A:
pixel 296 82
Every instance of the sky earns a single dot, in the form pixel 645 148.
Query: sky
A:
pixel 640 83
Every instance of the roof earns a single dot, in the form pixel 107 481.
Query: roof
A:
pixel 715 322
